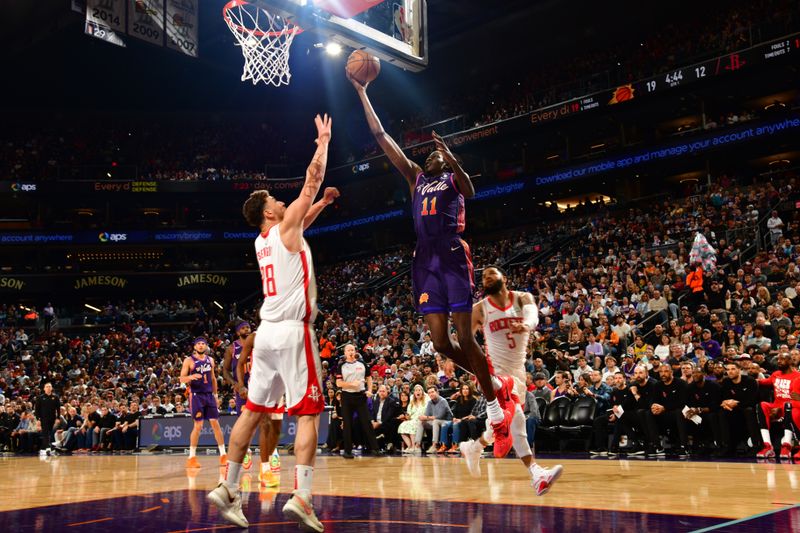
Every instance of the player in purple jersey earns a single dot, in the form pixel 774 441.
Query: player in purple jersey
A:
pixel 442 266
pixel 236 372
pixel 198 373
pixel 230 365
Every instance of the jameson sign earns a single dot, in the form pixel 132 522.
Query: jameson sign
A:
pixel 11 283
pixel 101 281
pixel 202 279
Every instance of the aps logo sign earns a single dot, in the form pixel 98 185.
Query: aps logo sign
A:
pixel 23 187
pixel 113 237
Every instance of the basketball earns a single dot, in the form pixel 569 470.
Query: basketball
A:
pixel 363 67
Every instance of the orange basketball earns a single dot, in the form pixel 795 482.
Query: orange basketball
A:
pixel 363 67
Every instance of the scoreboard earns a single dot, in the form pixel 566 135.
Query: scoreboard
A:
pixel 733 62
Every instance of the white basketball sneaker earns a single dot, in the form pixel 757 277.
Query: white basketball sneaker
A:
pixel 301 511
pixel 230 506
pixel 544 478
pixel 472 450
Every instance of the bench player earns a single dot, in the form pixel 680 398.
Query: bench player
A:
pixel 285 358
pixel 507 319
pixel 781 381
pixel 198 373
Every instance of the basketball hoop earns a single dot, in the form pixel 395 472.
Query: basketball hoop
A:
pixel 264 39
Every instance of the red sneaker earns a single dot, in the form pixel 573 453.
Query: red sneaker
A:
pixel 797 457
pixel 767 452
pixel 786 451
pixel 505 394
pixel 502 434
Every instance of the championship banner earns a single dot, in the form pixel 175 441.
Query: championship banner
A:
pixel 146 20
pixel 105 20
pixel 174 430
pixel 182 26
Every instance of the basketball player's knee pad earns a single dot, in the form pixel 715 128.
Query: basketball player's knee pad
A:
pixel 519 434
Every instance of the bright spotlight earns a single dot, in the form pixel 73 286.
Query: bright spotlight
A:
pixel 333 49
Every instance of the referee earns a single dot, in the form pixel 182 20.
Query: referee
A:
pixel 354 398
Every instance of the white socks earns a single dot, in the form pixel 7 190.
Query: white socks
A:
pixel 222 449
pixel 303 479
pixel 233 472
pixel 788 436
pixel 192 451
pixel 494 412
pixel 765 436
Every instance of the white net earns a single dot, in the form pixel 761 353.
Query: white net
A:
pixel 265 40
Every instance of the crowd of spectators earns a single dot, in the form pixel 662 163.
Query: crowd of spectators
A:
pixel 616 300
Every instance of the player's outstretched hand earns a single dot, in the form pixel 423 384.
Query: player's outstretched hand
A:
pixel 442 148
pixel 330 194
pixel 323 128
pixel 357 84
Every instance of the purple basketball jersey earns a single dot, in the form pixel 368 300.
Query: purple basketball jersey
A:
pixel 202 367
pixel 237 352
pixel 437 207
pixel 441 272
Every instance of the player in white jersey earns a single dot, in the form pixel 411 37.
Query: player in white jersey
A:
pixel 285 358
pixel 507 319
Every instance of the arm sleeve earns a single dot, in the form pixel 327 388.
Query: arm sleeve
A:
pixel 530 316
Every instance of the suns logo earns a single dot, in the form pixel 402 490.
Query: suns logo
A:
pixel 423 298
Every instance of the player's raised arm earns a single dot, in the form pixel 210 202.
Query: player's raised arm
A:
pixel 292 224
pixel 462 179
pixel 407 168
pixel 328 197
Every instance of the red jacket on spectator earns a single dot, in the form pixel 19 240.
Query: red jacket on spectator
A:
pixel 326 348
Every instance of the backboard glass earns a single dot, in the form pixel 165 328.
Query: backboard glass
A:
pixel 393 30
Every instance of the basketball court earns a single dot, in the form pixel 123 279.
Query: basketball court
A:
pixel 155 493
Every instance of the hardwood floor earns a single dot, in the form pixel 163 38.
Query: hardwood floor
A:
pixel 718 489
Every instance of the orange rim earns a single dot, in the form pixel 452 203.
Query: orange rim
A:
pixel 294 30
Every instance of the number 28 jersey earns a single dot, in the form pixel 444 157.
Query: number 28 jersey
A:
pixel 287 279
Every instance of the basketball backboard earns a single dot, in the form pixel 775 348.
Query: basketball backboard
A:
pixel 393 30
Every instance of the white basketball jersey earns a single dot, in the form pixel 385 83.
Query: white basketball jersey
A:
pixel 287 280
pixel 506 350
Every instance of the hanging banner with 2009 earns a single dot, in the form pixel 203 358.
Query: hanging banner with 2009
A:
pixel 146 20
pixel 105 20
